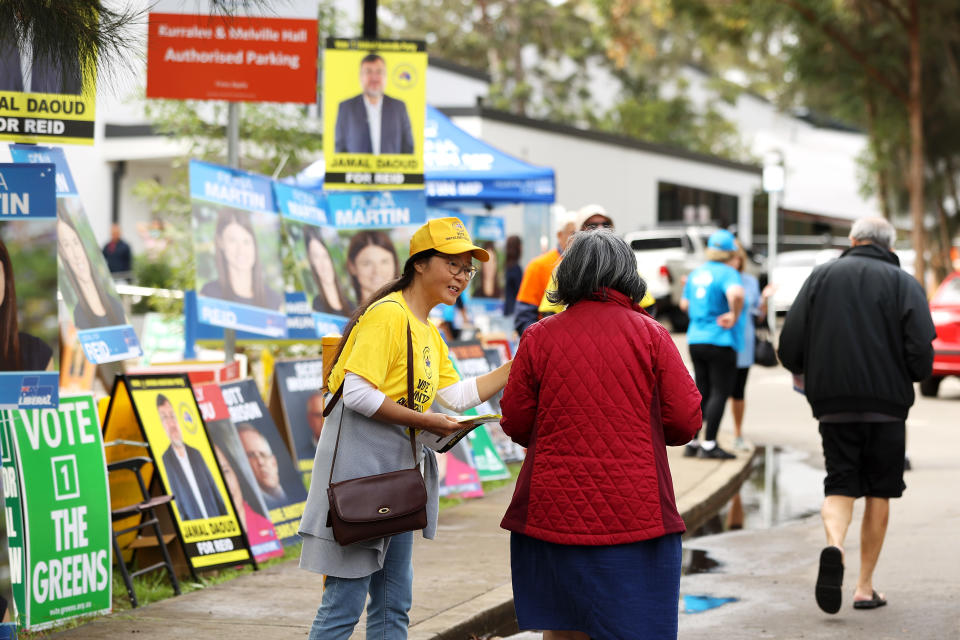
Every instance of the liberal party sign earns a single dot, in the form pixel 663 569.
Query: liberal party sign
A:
pixel 251 58
pixel 28 232
pixel 204 512
pixel 43 101
pixel 374 106
pixel 84 280
pixel 58 512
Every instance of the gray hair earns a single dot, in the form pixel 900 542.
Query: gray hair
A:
pixel 875 230
pixel 596 260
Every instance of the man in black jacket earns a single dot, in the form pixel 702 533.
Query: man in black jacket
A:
pixel 860 333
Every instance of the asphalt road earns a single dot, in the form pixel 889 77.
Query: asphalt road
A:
pixel 771 571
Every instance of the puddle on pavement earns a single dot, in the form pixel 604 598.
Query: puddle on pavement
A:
pixel 697 561
pixel 781 487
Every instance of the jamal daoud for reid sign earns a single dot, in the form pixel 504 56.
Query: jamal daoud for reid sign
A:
pixel 58 527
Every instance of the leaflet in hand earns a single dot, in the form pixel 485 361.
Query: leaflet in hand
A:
pixel 442 444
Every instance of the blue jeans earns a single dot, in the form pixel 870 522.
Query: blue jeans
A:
pixel 391 596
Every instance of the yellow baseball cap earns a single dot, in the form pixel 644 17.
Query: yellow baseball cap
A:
pixel 446 235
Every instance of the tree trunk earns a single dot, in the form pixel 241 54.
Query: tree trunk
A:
pixel 915 110
pixel 881 177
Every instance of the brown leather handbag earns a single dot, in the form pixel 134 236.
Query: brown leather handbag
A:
pixel 381 505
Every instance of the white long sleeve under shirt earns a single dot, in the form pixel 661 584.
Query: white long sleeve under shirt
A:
pixel 364 398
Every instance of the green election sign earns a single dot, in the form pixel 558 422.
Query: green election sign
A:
pixel 13 519
pixel 67 569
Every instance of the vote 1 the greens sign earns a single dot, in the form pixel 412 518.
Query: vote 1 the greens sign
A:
pixel 54 473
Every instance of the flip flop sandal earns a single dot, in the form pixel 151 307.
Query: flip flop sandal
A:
pixel 830 580
pixel 872 603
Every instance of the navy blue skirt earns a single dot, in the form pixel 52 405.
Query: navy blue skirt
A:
pixel 608 592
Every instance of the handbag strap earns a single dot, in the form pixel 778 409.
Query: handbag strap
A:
pixel 413 438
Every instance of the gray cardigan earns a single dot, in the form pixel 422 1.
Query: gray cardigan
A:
pixel 367 447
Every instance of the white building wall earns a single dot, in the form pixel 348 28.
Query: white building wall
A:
pixel 622 179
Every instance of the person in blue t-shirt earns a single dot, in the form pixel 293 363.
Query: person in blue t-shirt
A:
pixel 713 298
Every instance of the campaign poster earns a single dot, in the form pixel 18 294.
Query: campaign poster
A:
pixel 318 304
pixel 298 383
pixel 458 472
pixel 471 359
pixel 372 241
pixel 198 53
pixel 203 510
pixel 29 340
pixel 276 475
pixel 58 470
pixel 242 485
pixel 374 106
pixel 8 611
pixel 44 100
pixel 87 289
pixel 236 240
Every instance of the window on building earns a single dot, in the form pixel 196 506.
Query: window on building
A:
pixel 689 205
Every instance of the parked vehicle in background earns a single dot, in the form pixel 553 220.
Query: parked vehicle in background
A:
pixel 665 256
pixel 945 309
pixel 792 269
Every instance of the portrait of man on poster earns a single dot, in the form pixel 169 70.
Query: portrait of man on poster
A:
pixel 196 494
pixel 373 122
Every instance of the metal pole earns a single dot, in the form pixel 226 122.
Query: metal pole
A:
pixel 233 160
pixel 773 204
pixel 369 18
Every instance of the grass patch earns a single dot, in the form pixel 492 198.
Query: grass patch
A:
pixel 155 586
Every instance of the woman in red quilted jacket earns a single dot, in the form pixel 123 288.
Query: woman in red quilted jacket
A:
pixel 596 394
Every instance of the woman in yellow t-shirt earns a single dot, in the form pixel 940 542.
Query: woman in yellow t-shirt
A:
pixel 371 370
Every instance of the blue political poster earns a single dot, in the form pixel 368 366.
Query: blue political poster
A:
pixel 29 349
pixel 236 234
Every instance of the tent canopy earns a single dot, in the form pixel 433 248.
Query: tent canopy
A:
pixel 461 168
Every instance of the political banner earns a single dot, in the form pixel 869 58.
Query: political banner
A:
pixel 8 611
pixel 28 280
pixel 239 478
pixel 248 58
pixel 374 106
pixel 204 512
pixel 85 283
pixel 236 235
pixel 58 470
pixel 43 100
pixel 318 305
pixel 458 472
pixel 296 392
pixel 273 468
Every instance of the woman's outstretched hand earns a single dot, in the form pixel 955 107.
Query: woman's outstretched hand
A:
pixel 440 424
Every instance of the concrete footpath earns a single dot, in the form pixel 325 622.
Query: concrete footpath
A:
pixel 461 579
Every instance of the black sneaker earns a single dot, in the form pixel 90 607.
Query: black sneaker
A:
pixel 716 453
pixel 691 450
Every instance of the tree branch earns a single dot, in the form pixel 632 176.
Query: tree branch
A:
pixel 897 12
pixel 841 39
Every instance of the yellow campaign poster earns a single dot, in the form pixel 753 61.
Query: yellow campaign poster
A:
pixel 374 106
pixel 43 102
pixel 172 425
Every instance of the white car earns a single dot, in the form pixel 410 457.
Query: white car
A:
pixel 664 258
pixel 792 269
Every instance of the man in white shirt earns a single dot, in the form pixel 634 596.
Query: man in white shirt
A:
pixel 194 491
pixel 373 122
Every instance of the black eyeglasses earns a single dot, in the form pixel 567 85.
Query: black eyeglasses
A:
pixel 590 226
pixel 456 268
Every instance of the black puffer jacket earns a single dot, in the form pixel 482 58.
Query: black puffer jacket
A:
pixel 860 331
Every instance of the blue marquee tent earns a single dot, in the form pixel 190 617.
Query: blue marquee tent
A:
pixel 461 168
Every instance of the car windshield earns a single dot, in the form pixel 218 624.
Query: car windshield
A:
pixel 950 292
pixel 648 244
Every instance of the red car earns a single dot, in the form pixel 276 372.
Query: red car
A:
pixel 945 309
